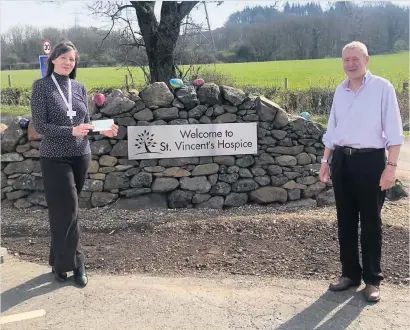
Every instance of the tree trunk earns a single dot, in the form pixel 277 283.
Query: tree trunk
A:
pixel 160 39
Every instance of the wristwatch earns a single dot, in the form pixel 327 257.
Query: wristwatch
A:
pixel 324 161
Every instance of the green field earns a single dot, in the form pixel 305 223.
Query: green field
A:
pixel 300 74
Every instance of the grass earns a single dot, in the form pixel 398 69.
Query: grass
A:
pixel 300 74
pixel 15 110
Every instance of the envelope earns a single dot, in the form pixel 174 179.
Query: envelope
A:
pixel 102 125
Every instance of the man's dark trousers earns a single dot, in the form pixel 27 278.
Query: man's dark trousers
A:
pixel 356 183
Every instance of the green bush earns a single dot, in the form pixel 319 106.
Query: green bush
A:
pixel 15 96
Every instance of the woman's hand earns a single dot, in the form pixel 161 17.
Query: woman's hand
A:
pixel 82 129
pixel 113 132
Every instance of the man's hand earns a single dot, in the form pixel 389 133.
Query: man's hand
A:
pixel 324 173
pixel 82 129
pixel 388 178
pixel 113 132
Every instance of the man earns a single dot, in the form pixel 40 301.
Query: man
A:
pixel 364 122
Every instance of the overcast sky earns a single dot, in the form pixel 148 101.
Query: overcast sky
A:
pixel 64 13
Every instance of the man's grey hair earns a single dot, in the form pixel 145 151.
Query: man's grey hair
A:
pixel 356 44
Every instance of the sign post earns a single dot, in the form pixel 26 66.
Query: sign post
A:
pixel 43 58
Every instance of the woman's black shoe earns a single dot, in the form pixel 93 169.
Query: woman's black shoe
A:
pixel 61 277
pixel 80 276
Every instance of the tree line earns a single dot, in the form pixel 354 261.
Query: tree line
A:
pixel 294 32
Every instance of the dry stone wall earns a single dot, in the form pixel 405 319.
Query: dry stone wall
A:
pixel 284 171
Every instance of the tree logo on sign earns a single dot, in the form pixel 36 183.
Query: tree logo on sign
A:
pixel 145 140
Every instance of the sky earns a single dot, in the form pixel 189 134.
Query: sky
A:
pixel 65 13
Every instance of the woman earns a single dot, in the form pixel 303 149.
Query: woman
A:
pixel 60 114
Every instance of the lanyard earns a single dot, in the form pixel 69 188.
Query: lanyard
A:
pixel 69 103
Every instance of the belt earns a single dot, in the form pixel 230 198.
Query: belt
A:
pixel 351 151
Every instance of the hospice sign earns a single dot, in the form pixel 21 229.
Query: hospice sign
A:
pixel 174 141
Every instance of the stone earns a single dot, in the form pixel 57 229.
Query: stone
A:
pixel 164 184
pixel 293 194
pixel 314 189
pixel 236 199
pixel 306 180
pixel 220 189
pixel 263 180
pixel 116 180
pixel 396 192
pixel 117 105
pixel 176 172
pixel 22 203
pixel 258 171
pixel 215 202
pixel 224 160
pixel 179 162
pixel 278 180
pixel 3 180
pixel 264 159
pixel 26 166
pixel 11 157
pixel 126 121
pixel 291 175
pixel 98 176
pixel 250 118
pixel 28 182
pixel 101 147
pixel 200 198
pixel 209 93
pixel 278 134
pixel 205 169
pixel 93 185
pixel 166 114
pixel 301 204
pixel 157 94
pixel 139 105
pixel 225 118
pixel 218 110
pixel 266 109
pixel 106 170
pixel 12 136
pixel 326 198
pixel 99 199
pixel 141 180
pixel 148 201
pixel 233 95
pixel 154 169
pixel 37 198
pixel 145 115
pixel 286 160
pixel 274 169
pixel 303 158
pixel 281 119
pixel 22 148
pixel 187 96
pixel 228 178
pixel 180 198
pixel 197 112
pixel 198 184
pixel 179 122
pixel 106 160
pixel 178 104
pixel 123 168
pixel 120 149
pixel 245 161
pixel 266 195
pixel 292 151
pixel 243 185
pixel 135 192
pixel 230 108
pixel 16 194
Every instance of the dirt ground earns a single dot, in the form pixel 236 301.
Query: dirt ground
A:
pixel 252 241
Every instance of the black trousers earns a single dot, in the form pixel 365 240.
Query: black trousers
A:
pixel 63 179
pixel 356 180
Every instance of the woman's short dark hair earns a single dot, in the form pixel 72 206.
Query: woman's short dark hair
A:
pixel 62 48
